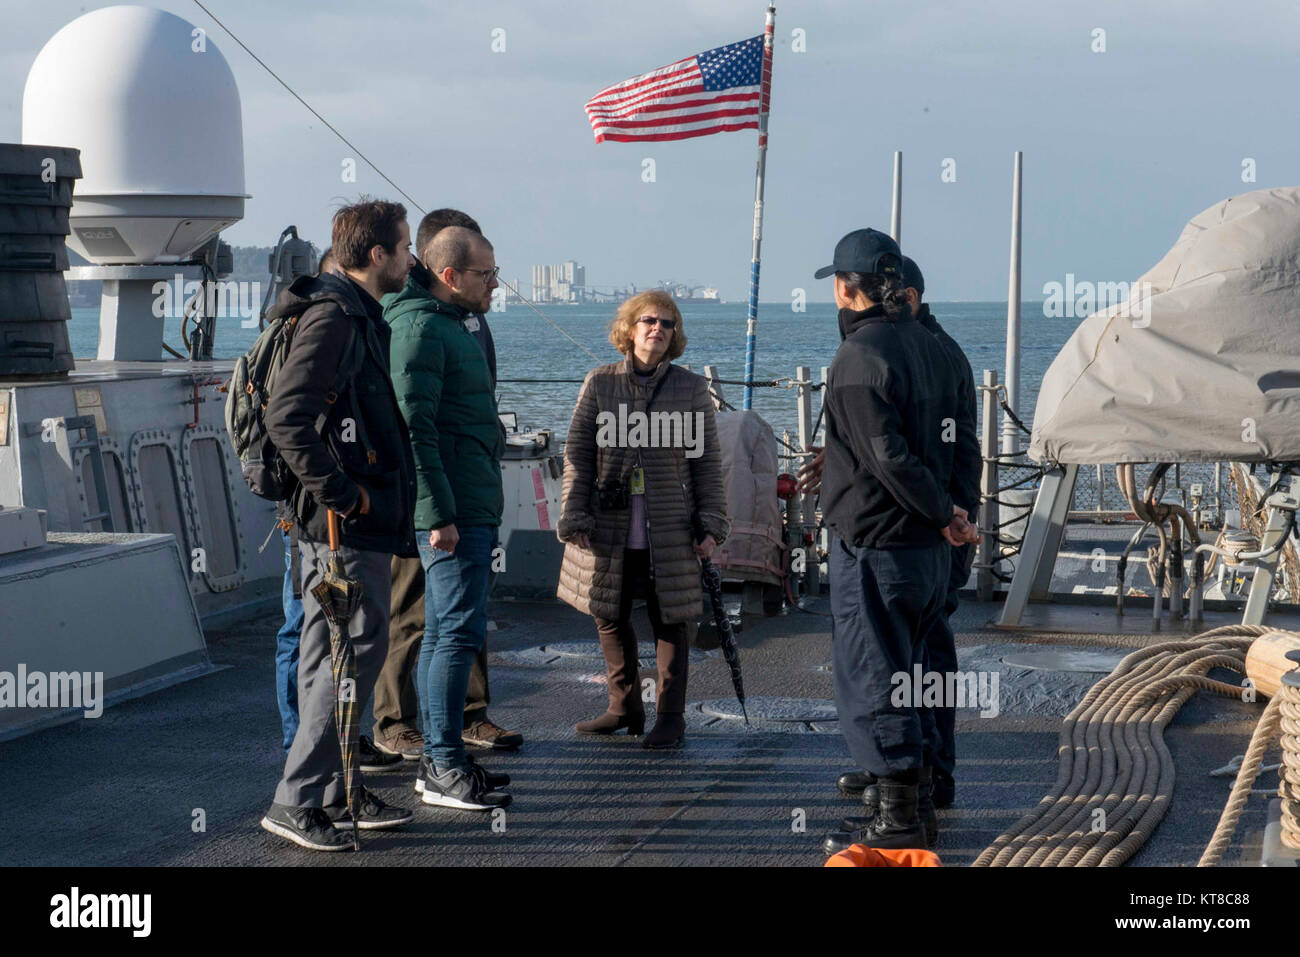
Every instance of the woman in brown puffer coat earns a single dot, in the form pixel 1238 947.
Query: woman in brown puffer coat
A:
pixel 640 460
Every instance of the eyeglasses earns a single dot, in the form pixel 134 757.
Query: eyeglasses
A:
pixel 667 324
pixel 487 274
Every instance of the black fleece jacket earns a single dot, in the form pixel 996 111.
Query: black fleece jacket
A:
pixel 891 414
pixel 966 464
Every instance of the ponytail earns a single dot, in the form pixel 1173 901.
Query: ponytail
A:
pixel 882 289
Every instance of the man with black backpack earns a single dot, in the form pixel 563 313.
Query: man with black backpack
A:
pixel 333 419
pixel 286 640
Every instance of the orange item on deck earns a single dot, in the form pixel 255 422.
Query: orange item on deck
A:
pixel 859 855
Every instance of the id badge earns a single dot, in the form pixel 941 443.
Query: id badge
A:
pixel 638 481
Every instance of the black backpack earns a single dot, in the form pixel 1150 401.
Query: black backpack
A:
pixel 250 388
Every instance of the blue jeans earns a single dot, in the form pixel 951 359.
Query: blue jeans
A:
pixel 455 628
pixel 286 653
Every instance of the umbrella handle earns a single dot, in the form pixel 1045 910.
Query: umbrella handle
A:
pixel 334 530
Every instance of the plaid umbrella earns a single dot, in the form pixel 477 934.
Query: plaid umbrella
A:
pixel 711 580
pixel 340 597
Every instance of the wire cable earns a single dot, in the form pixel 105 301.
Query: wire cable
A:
pixel 310 108
pixel 529 304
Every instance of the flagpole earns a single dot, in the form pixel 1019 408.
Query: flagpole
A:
pixel 765 94
pixel 1010 434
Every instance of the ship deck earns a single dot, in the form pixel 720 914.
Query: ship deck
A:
pixel 91 371
pixel 123 789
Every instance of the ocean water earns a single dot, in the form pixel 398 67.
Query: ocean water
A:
pixel 530 348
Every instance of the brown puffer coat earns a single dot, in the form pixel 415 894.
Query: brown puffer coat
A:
pixel 592 580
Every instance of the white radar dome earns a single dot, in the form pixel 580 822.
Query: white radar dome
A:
pixel 151 103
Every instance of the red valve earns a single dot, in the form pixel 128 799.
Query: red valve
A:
pixel 785 486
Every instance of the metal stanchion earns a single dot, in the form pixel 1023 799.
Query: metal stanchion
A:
pixel 989 517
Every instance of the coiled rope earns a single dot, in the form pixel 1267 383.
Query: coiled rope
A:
pixel 1116 774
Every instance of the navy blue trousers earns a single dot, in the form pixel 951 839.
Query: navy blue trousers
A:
pixel 885 603
pixel 941 656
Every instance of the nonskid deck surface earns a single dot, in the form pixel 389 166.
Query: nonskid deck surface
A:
pixel 129 787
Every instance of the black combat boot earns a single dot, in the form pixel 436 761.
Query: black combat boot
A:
pixel 895 825
pixel 925 807
pixel 870 805
pixel 853 783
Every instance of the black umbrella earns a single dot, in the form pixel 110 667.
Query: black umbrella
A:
pixel 340 597
pixel 711 580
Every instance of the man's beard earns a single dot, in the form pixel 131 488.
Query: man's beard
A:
pixel 468 304
pixel 394 283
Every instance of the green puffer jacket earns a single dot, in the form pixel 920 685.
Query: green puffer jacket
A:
pixel 444 391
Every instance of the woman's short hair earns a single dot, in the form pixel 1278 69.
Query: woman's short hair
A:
pixel 622 331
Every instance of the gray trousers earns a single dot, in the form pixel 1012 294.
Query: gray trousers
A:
pixel 313 770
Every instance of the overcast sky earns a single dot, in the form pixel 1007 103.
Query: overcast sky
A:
pixel 1121 147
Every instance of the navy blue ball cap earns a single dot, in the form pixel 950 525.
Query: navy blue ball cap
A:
pixel 912 278
pixel 865 251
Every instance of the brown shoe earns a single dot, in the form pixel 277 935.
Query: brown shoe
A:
pixel 609 722
pixel 485 734
pixel 407 742
pixel 669 732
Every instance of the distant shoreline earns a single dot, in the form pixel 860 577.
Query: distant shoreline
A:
pixel 785 303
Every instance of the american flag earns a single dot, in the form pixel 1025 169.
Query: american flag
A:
pixel 712 92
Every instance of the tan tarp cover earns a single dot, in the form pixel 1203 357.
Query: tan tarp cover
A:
pixel 1215 376
pixel 752 551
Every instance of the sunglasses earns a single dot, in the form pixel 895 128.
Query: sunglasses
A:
pixel 667 324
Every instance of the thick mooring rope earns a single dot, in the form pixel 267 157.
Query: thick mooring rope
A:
pixel 1289 789
pixel 1116 774
pixel 1283 712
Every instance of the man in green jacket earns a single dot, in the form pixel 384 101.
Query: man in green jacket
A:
pixel 398 729
pixel 444 391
